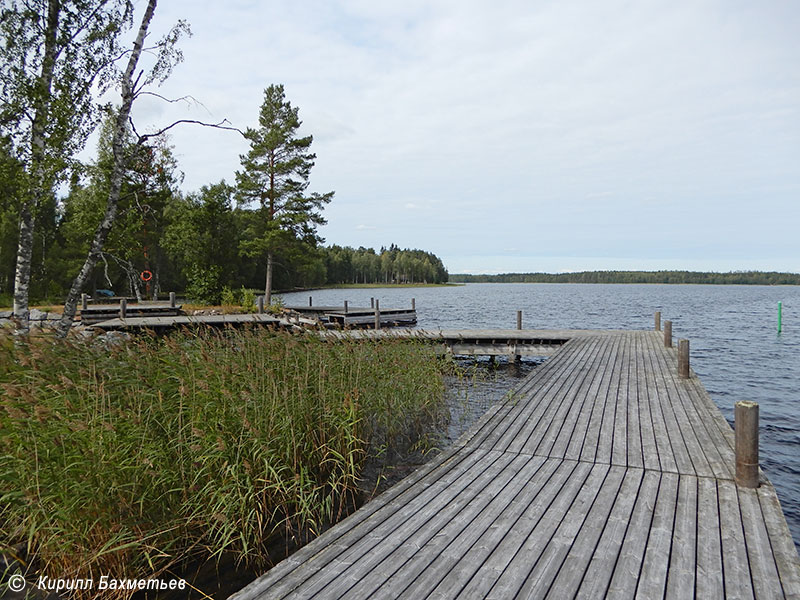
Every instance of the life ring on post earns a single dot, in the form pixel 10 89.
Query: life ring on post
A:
pixel 146 275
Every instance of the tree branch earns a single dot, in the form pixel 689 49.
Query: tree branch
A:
pixel 220 125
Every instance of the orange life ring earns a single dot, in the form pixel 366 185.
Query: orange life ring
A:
pixel 146 275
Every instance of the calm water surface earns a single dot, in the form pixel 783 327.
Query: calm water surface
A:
pixel 735 347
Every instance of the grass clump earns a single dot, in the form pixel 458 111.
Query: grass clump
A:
pixel 134 458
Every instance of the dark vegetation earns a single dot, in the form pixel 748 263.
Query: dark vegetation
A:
pixel 736 277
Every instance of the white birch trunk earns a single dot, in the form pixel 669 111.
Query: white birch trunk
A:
pixel 128 95
pixel 22 275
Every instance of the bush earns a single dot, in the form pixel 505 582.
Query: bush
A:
pixel 204 285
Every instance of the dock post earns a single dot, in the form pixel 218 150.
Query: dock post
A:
pixel 172 300
pixel 377 314
pixel 345 307
pixel 658 320
pixel 780 316
pixel 123 308
pixel 746 436
pixel 309 301
pixel 260 304
pixel 413 304
pixel 372 302
pixel 668 334
pixel 84 301
pixel 519 319
pixel 683 359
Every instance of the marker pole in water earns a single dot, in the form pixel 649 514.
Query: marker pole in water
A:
pixel 780 316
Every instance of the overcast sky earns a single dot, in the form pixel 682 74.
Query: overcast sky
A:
pixel 517 136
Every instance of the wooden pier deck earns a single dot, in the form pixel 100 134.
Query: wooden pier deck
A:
pixel 602 475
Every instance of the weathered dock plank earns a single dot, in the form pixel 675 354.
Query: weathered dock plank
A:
pixel 602 475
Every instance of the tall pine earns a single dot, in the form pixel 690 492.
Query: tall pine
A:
pixel 274 177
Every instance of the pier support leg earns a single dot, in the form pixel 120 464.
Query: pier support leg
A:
pixel 519 319
pixel 260 304
pixel 123 308
pixel 668 334
pixel 746 434
pixel 345 307
pixel 84 301
pixel 310 302
pixel 413 304
pixel 658 320
pixel 173 301
pixel 683 359
pixel 377 314
pixel 372 302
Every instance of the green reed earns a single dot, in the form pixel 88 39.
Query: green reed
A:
pixel 131 459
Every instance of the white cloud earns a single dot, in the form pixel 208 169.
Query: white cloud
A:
pixel 547 124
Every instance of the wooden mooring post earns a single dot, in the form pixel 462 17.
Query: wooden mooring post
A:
pixel 668 334
pixel 413 304
pixel 746 442
pixel 377 314
pixel 658 320
pixel 519 319
pixel 84 301
pixel 260 304
pixel 345 307
pixel 173 301
pixel 683 359
pixel 310 301
pixel 123 308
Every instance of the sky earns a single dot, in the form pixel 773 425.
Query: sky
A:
pixel 511 136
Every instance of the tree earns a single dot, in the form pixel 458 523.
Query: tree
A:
pixel 275 174
pixel 52 53
pixel 148 186
pixel 201 239
pixel 129 91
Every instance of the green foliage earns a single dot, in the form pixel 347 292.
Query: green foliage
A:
pixel 247 299
pixel 736 277
pixel 84 46
pixel 392 265
pixel 228 298
pixel 130 459
pixel 204 285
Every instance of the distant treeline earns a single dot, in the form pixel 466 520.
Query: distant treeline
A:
pixel 391 265
pixel 735 277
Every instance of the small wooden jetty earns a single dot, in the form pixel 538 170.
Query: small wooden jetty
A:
pixel 604 474
pixel 100 313
pixel 347 316
pixel 160 324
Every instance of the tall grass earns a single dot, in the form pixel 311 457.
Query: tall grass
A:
pixel 128 460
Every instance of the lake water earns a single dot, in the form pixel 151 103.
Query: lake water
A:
pixel 735 347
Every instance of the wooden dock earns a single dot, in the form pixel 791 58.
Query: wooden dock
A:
pixel 347 316
pixel 99 313
pixel 162 324
pixel 603 475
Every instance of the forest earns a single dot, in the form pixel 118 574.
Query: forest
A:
pixel 696 277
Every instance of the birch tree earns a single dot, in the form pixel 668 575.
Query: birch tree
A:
pixel 275 174
pixel 52 54
pixel 132 84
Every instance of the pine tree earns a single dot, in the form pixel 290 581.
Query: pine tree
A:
pixel 275 174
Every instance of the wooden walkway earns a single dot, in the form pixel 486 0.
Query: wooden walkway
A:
pixel 602 475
